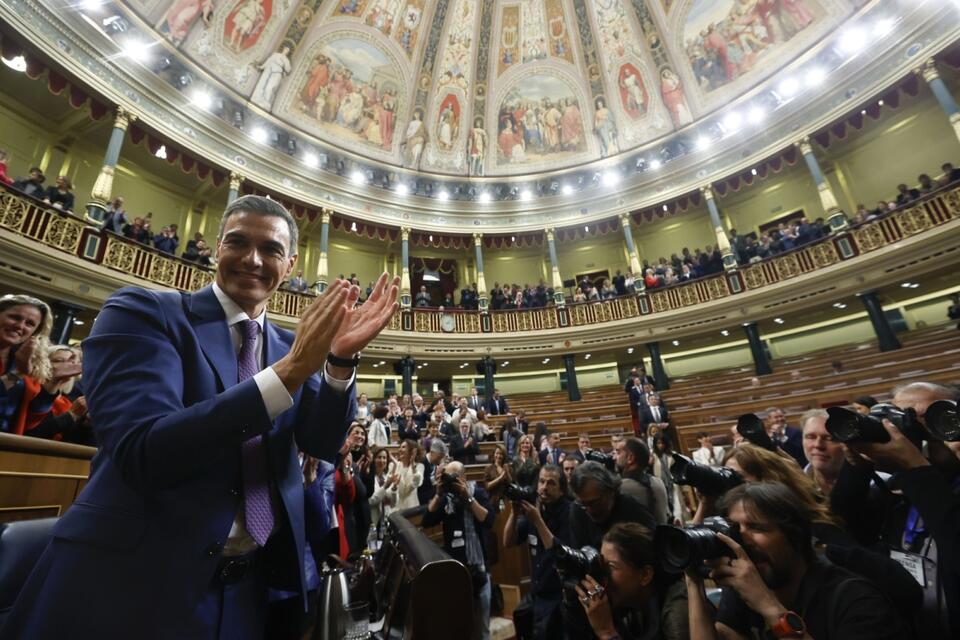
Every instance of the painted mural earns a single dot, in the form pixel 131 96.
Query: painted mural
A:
pixel 182 15
pixel 531 31
pixel 726 39
pixel 384 15
pixel 246 23
pixel 539 120
pixel 559 34
pixel 408 31
pixel 351 90
pixel 509 40
pixel 456 64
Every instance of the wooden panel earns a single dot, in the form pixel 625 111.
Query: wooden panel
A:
pixel 21 492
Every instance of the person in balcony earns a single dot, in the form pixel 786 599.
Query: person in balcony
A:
pixel 608 292
pixel 60 195
pixel 423 298
pixel 166 241
pixel 32 185
pixel 926 184
pixel 951 174
pixel 4 178
pixel 115 218
pixel 25 325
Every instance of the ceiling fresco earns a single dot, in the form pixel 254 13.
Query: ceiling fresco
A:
pixel 499 88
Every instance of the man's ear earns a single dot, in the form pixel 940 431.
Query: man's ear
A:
pixel 292 262
pixel 647 574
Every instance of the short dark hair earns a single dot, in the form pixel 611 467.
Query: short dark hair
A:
pixel 780 505
pixel 634 542
pixel 264 207
pixel 640 451
pixel 591 470
pixel 380 412
pixel 552 468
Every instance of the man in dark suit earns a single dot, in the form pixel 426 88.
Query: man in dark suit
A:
pixel 583 446
pixel 195 503
pixel 463 444
pixel 474 400
pixel 788 438
pixel 553 454
pixel 497 406
pixel 653 414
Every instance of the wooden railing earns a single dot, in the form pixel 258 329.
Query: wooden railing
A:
pixel 74 235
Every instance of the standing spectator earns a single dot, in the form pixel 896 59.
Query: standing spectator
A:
pixel 708 453
pixel 788 438
pixel 25 324
pixel 297 283
pixel 115 218
pixel 139 232
pixel 32 185
pixel 4 178
pixel 423 298
pixel 950 174
pixel 552 454
pixel 378 435
pixel 383 498
pixel 60 196
pixel 497 476
pixel 197 238
pixel 653 414
pixel 166 241
pixel 463 446
pixel 620 283
pixel 525 465
pixel 410 472
pixel 497 406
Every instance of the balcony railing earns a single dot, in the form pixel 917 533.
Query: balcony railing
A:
pixel 71 234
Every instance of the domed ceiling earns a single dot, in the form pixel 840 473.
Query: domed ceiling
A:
pixel 475 88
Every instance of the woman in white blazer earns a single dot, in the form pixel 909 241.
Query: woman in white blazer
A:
pixel 410 472
pixel 378 434
pixel 384 499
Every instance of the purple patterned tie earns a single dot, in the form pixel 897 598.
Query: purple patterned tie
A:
pixel 256 491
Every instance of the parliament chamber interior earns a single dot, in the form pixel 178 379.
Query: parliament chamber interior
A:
pixel 416 319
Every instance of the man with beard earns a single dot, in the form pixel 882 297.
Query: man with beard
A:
pixel 775 585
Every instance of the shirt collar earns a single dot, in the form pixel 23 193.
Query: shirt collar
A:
pixel 232 310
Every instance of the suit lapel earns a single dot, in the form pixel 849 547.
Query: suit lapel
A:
pixel 274 348
pixel 210 325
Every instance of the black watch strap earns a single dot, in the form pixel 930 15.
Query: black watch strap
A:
pixel 350 363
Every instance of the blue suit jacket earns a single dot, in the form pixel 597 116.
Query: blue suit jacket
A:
pixel 141 543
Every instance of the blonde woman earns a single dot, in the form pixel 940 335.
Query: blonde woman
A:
pixel 525 464
pixel 410 473
pixel 25 324
pixel 384 498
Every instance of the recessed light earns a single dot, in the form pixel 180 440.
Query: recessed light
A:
pixel 610 178
pixel 161 152
pixel 732 121
pixel 17 63
pixel 526 195
pixel 703 143
pixel 788 87
pixel 666 208
pixel 629 349
pixel 883 27
pixel 382 362
pixel 78 323
pixel 724 332
pixel 513 238
pixel 484 197
pixel 136 50
pixel 815 76
pixel 655 164
pixel 91 5
pixel 586 229
pixel 259 134
pixel 756 115
pixel 587 356
pixel 778 320
pixel 566 190
pixel 839 305
pixel 676 343
pixel 753 172
pixel 201 99
pixel 546 360
pixel 852 40
pixel 311 160
pixel 464 364
pixel 442 194
pixel 505 363
pixel 880 103
pixel 402 189
pixel 375 366
pixel 353 226
pixel 357 177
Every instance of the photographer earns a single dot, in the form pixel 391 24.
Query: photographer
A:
pixel 637 599
pixel 633 460
pixel 600 504
pixel 923 532
pixel 775 585
pixel 541 526
pixel 464 510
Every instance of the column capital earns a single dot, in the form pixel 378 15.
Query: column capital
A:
pixel 477 239
pixel 236 180
pixel 549 233
pixel 707 192
pixel 122 119
pixel 405 233
pixel 324 216
pixel 624 219
pixel 804 145
pixel 929 70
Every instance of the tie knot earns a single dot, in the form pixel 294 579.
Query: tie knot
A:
pixel 249 329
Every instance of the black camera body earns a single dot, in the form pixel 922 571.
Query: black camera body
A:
pixel 943 420
pixel 574 565
pixel 447 481
pixel 707 480
pixel 751 427
pixel 679 548
pixel 606 459
pixel 518 493
pixel 850 427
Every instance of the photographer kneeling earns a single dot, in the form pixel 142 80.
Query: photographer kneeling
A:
pixel 772 579
pixel 543 526
pixel 464 509
pixel 637 599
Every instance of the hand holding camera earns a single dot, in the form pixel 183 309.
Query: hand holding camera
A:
pixel 740 574
pixel 898 453
pixel 596 604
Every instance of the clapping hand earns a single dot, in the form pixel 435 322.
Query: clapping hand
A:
pixel 362 324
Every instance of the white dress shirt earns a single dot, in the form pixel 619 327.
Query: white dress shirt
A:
pixel 703 456
pixel 276 400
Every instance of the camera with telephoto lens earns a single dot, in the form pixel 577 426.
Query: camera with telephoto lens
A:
pixel 943 421
pixel 518 493
pixel 849 426
pixel 710 481
pixel 751 427
pixel 574 565
pixel 679 548
pixel 606 459
pixel 447 481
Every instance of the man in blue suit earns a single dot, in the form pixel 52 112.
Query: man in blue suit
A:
pixel 194 506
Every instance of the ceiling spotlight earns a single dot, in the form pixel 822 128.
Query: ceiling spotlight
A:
pixel 430 238
pixel 91 5
pixel 779 320
pixel 910 285
pixel 839 305
pixel 586 229
pixel 464 364
pixel 666 208
pixel 375 365
pixel 484 197
pixel 586 356
pixel 880 103
pixel 788 87
pixel 402 189
pixel 629 349
pixel 507 363
pixel 513 238
pixel 852 41
pixel 357 177
pixel 566 190
pixel 883 27
pixel 419 366
pixel 353 226
pixel 382 362
pixel 753 172
pixel 17 63
pixel 136 50
pixel 732 121
pixel 756 115
pixel 201 99
pixel 703 143
pixel 815 77
pixel 610 178
pixel 161 152
pixel 442 194
pixel 724 332
pixel 426 364
pixel 526 195
pixel 311 160
pixel 676 343
pixel 655 164
pixel 259 134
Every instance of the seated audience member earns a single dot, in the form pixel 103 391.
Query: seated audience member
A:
pixel 4 178
pixel 951 174
pixel 378 433
pixel 297 283
pixel 633 462
pixel 383 498
pixel 926 183
pixel 784 436
pixel 463 509
pixel 542 526
pixel 67 419
pixel 497 405
pixel 863 404
pixel 410 472
pixel 906 195
pixel 525 464
pixel 32 185
pixel 60 195
pixel 637 599
pixel 115 218
pixel 497 476
pixel 653 414
pixel 463 446
pixel 552 454
pixel 775 580
pixel 583 446
pixel 422 299
pixel 570 464
pixel 25 325
pixel 708 453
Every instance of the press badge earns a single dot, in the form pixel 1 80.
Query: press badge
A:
pixel 913 563
pixel 532 541
pixel 458 540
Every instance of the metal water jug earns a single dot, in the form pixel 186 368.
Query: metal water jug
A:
pixel 334 596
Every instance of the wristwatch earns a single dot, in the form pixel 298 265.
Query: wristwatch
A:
pixel 349 363
pixel 790 625
pixel 470 500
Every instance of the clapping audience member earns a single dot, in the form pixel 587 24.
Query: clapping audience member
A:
pixel 422 299
pixel 525 463
pixel 708 453
pixel 25 325
pixel 384 498
pixel 783 435
pixel 463 446
pixel 297 283
pixel 407 427
pixel 60 196
pixel 497 405
pixel 353 508
pixel 463 412
pixel 583 446
pixel 482 430
pixel 67 419
pixel 378 433
pixel 411 472
pixel 364 410
pixel 436 455
pixel 496 476
pixel 552 454
pixel 32 185
pixel 115 218
pixel 510 435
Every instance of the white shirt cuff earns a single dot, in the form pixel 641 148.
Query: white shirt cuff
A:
pixel 274 393
pixel 338 385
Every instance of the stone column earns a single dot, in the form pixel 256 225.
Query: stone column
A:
pixel 64 316
pixel 235 181
pixel 322 276
pixel 557 282
pixel 487 365
pixel 723 242
pixel 103 187
pixel 481 281
pixel 835 216
pixel 659 373
pixel 405 296
pixel 407 365
pixel 573 390
pixel 886 338
pixel 760 362
pixel 942 93
pixel 632 252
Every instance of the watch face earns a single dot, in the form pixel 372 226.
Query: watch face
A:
pixel 795 622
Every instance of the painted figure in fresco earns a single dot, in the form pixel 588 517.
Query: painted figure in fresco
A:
pixel 672 91
pixel 245 24
pixel 273 69
pixel 477 147
pixel 571 126
pixel 415 140
pixel 316 83
pixel 605 129
pixel 631 92
pixel 181 16
pixel 447 128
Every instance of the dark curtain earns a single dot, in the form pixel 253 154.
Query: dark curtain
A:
pixel 446 269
